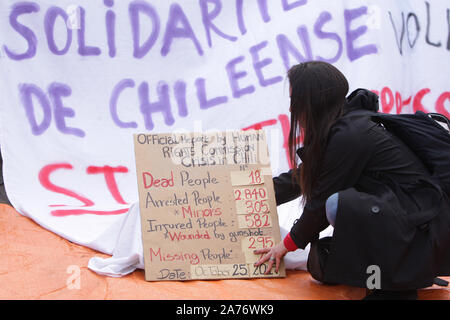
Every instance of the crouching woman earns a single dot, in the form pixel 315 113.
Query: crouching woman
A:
pixel 386 210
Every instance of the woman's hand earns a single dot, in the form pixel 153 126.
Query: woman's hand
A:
pixel 274 255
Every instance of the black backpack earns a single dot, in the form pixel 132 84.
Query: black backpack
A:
pixel 426 137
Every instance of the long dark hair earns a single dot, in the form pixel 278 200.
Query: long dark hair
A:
pixel 318 91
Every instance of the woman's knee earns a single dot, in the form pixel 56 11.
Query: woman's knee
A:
pixel 331 208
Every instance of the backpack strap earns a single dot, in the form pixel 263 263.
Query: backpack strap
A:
pixel 440 118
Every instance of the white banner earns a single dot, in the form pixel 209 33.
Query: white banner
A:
pixel 78 78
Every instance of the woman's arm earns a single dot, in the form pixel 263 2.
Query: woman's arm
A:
pixel 286 189
pixel 346 156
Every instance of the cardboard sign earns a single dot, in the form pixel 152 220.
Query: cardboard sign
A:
pixel 206 203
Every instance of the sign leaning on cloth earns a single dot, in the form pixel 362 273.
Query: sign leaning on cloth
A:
pixel 207 202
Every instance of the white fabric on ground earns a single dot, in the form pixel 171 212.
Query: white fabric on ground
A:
pixel 128 253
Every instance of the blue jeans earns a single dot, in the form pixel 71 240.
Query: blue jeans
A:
pixel 331 208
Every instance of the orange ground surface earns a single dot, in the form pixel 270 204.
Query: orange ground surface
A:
pixel 34 264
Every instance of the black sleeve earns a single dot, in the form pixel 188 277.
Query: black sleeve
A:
pixel 3 196
pixel 285 188
pixel 346 156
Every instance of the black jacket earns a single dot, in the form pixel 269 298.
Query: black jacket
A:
pixel 386 196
